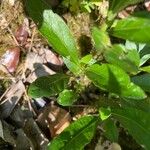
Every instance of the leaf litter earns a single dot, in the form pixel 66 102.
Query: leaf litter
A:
pixel 24 57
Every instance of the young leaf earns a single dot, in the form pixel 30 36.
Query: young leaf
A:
pixel 115 80
pixel 77 135
pixel 104 113
pixel 88 60
pixel 54 29
pixel 110 130
pixel 48 85
pixel 133 29
pixel 146 69
pixel 128 61
pixel 136 122
pixel 100 38
pixel 117 5
pixel 143 81
pixel 67 97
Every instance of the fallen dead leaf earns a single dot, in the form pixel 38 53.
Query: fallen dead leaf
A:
pixel 147 5
pixel 22 32
pixel 11 98
pixel 54 118
pixel 33 132
pixel 35 63
pixel 10 59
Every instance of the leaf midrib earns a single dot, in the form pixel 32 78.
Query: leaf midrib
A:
pixel 66 145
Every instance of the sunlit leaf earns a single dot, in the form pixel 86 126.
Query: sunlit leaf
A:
pixel 77 135
pixel 115 80
pixel 67 97
pixel 133 28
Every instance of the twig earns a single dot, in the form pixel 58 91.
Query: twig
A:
pixel 13 37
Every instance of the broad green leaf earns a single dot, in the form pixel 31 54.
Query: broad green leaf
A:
pixel 104 113
pixel 136 122
pixel 117 5
pixel 115 80
pixel 77 135
pixel 146 69
pixel 143 81
pixel 48 85
pixel 128 61
pixel 132 28
pixel 100 38
pixel 54 29
pixel 67 97
pixel 110 130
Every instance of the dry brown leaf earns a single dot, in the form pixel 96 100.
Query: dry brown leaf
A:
pixel 22 32
pixel 54 118
pixel 147 5
pixel 35 63
pixel 10 59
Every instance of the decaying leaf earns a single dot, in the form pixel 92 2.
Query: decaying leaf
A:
pixel 33 132
pixel 10 59
pixel 22 32
pixel 43 63
pixel 7 134
pixel 35 63
pixel 54 118
pixel 147 5
pixel 22 141
pixel 11 98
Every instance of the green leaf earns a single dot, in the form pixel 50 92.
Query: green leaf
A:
pixel 136 122
pixel 144 59
pixel 143 81
pixel 48 85
pixel 73 67
pixel 146 69
pixel 115 80
pixel 110 130
pixel 132 28
pixel 88 60
pixel 104 113
pixel 54 29
pixel 100 38
pixel 67 97
pixel 77 135
pixel 128 61
pixel 117 5
pixel 144 54
pixel 143 104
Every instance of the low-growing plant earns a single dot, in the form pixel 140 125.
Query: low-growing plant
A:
pixel 122 74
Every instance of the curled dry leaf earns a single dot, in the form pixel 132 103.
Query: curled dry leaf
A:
pixel 10 59
pixel 54 118
pixel 22 32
